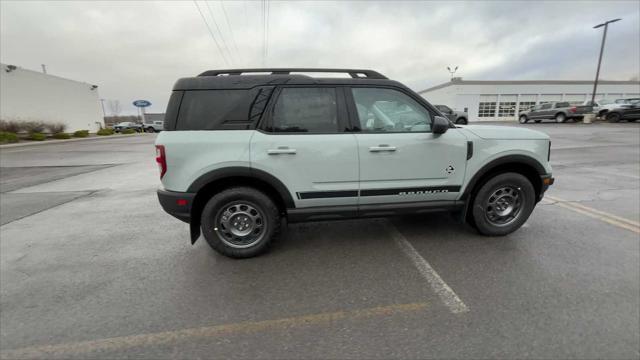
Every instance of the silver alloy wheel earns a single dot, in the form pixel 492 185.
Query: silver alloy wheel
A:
pixel 240 224
pixel 504 205
pixel 561 118
pixel 523 119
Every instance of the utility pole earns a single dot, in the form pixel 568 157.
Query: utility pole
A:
pixel 44 68
pixel 604 38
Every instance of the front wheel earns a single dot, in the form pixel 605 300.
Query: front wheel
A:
pixel 503 204
pixel 151 130
pixel 523 119
pixel 240 222
pixel 461 121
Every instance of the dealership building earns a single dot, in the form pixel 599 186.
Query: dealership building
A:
pixel 27 95
pixel 503 100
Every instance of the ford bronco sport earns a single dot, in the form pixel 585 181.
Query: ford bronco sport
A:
pixel 243 151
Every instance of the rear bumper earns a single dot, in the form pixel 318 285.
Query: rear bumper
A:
pixel 176 204
pixel 547 180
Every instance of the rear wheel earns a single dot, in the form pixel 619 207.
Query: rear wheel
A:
pixel 503 204
pixel 523 119
pixel 151 130
pixel 560 118
pixel 613 117
pixel 240 222
pixel 461 121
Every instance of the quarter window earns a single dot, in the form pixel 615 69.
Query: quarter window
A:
pixel 388 110
pixel 487 109
pixel 307 110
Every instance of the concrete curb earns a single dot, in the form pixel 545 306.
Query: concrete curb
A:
pixel 53 142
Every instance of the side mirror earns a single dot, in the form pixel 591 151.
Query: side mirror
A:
pixel 440 125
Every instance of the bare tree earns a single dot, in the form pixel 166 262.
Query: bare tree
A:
pixel 115 107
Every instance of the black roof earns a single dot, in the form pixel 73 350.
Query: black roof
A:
pixel 234 78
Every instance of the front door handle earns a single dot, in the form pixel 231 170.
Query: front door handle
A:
pixel 281 150
pixel 382 147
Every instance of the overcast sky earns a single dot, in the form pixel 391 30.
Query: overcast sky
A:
pixel 136 50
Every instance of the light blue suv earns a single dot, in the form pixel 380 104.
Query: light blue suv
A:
pixel 241 151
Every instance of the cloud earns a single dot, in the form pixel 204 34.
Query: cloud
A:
pixel 135 50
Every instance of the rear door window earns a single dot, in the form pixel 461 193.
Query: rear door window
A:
pixel 305 110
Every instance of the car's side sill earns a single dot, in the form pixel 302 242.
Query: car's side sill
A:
pixel 318 213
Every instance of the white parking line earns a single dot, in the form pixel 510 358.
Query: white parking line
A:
pixel 444 291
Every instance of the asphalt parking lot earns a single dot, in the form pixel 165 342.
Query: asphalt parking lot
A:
pixel 91 267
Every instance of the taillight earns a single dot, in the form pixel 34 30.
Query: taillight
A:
pixel 161 159
pixel 573 109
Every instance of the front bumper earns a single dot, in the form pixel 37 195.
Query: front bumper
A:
pixel 546 180
pixel 176 204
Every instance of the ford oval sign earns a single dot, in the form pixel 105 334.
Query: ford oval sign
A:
pixel 141 103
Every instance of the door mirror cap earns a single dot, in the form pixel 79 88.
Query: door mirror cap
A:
pixel 440 125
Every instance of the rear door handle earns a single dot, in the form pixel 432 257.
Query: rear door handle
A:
pixel 281 150
pixel 382 147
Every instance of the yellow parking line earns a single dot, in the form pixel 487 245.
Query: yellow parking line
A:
pixel 614 220
pixel 170 337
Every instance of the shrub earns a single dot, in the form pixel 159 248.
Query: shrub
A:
pixel 37 136
pixel 128 131
pixel 81 133
pixel 10 126
pixel 61 135
pixel 56 128
pixel 33 126
pixel 105 132
pixel 8 137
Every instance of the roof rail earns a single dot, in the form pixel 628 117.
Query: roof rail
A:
pixel 354 73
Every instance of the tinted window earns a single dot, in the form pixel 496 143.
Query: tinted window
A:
pixel 545 106
pixel 309 110
pixel 388 110
pixel 562 105
pixel 215 110
pixel 171 115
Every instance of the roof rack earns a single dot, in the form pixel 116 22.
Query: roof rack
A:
pixel 354 73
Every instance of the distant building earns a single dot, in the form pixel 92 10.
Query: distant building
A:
pixel 151 117
pixel 503 100
pixel 27 95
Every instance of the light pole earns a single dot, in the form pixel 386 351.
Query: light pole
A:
pixel 452 71
pixel 604 37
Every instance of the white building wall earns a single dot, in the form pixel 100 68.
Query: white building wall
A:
pixel 27 95
pixel 464 95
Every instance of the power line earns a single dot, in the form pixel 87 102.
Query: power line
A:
pixel 233 39
pixel 211 33
pixel 224 42
pixel 266 35
pixel 263 28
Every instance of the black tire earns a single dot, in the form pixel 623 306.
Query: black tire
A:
pixel 523 119
pixel 223 238
pixel 613 117
pixel 602 113
pixel 461 121
pixel 538 121
pixel 151 130
pixel 560 118
pixel 490 202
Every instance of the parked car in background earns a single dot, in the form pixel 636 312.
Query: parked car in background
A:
pixel 629 112
pixel 560 111
pixel 127 125
pixel 458 117
pixel 154 126
pixel 601 107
